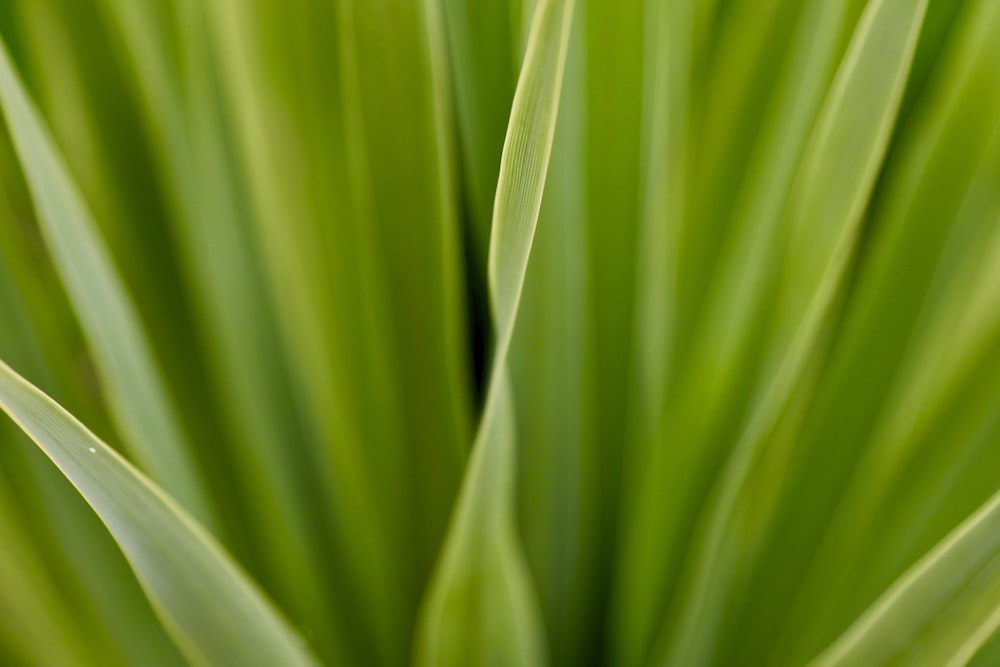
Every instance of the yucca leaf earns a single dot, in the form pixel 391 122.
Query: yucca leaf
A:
pixel 91 575
pixel 909 279
pixel 482 37
pixel 213 611
pixel 524 163
pixel 135 390
pixel 480 608
pixel 37 619
pixel 613 39
pixel 743 370
pixel 642 572
pixel 175 74
pixel 559 488
pixel 940 612
pixel 988 654
pixel 402 176
pixel 713 378
pixel 837 174
pixel 381 389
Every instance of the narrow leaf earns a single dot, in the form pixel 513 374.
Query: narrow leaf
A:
pixel 481 608
pixel 524 163
pixel 836 177
pixel 940 612
pixel 216 615
pixel 136 393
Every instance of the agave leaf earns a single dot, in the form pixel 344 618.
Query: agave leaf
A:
pixel 480 608
pixel 940 612
pixel 135 389
pixel 213 611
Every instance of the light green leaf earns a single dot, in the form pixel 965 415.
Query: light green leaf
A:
pixel 216 615
pixel 138 398
pixel 989 653
pixel 926 223
pixel 481 609
pixel 940 612
pixel 36 618
pixel 524 164
pixel 551 374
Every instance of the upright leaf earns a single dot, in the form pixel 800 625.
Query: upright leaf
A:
pixel 642 571
pixel 480 608
pixel 836 176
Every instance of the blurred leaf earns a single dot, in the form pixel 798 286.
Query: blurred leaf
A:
pixel 560 488
pixel 213 611
pixel 135 390
pixel 260 457
pixel 925 225
pixel 941 611
pixel 836 176
pixel 37 618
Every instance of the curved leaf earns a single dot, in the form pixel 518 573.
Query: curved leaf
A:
pixel 136 393
pixel 940 612
pixel 480 608
pixel 213 611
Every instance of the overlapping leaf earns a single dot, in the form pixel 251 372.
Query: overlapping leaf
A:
pixel 481 608
pixel 214 612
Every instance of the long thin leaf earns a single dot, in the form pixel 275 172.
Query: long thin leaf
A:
pixel 136 393
pixel 642 569
pixel 480 608
pixel 551 377
pixel 837 175
pixel 176 81
pixel 938 613
pixel 216 615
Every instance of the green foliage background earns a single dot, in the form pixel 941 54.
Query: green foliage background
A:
pixel 509 332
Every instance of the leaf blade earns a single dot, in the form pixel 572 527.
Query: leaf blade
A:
pixel 212 610
pixel 947 601
pixel 482 581
pixel 136 393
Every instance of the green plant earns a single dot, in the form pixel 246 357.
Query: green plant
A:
pixel 627 332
